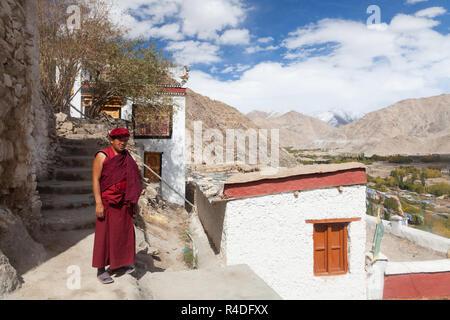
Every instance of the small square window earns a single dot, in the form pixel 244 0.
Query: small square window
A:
pixel 330 248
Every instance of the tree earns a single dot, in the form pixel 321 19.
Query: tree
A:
pixel 422 178
pixel 117 66
pixel 439 189
pixel 391 203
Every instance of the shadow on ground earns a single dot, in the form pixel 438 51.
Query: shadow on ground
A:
pixel 57 242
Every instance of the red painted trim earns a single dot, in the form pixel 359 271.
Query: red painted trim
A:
pixel 173 90
pixel 295 183
pixel 417 286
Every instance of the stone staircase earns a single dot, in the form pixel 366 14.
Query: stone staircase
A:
pixel 68 210
pixel 67 200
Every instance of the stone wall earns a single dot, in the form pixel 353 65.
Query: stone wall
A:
pixel 25 136
pixel 24 121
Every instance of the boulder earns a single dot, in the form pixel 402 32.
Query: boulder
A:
pixel 9 280
pixel 60 117
pixel 16 243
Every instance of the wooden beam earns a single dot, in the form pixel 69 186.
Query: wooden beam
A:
pixel 334 220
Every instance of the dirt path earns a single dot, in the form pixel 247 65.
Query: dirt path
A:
pixel 56 279
pixel 70 255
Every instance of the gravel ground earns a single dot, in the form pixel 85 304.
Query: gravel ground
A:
pixel 398 249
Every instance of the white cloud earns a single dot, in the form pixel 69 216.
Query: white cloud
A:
pixel 240 67
pixel 191 52
pixel 141 17
pixel 414 1
pixel 213 69
pixel 233 69
pixel 227 70
pixel 234 37
pixel 204 19
pixel 265 40
pixel 431 12
pixel 342 64
pixel 254 49
pixel 167 32
pixel 198 18
pixel 406 23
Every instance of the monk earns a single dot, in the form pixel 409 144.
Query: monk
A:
pixel 116 182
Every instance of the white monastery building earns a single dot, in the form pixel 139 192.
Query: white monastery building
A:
pixel 160 141
pixel 159 136
pixel 302 230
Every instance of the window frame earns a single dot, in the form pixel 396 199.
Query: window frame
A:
pixel 160 154
pixel 343 223
pixel 170 116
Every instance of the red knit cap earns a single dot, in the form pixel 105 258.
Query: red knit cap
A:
pixel 120 133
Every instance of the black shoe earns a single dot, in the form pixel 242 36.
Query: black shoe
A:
pixel 105 278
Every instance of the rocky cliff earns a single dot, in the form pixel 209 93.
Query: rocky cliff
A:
pixel 26 147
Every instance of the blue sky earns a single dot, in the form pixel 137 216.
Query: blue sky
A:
pixel 309 55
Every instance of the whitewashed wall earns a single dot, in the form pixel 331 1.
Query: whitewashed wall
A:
pixel 76 101
pixel 127 111
pixel 269 234
pixel 174 154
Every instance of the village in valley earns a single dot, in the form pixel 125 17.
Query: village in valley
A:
pixel 235 205
pixel 418 185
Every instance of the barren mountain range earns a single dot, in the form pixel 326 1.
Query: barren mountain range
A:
pixel 217 115
pixel 296 129
pixel 412 126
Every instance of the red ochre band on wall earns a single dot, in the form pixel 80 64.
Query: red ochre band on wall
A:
pixel 172 90
pixel 296 183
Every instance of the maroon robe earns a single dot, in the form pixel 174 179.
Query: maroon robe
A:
pixel 120 185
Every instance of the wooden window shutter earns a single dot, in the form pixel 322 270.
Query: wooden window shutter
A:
pixel 336 238
pixel 330 248
pixel 320 248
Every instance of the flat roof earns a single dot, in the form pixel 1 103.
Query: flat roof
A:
pixel 283 172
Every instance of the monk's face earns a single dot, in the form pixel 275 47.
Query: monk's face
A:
pixel 119 144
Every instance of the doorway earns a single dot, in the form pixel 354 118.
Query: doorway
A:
pixel 154 161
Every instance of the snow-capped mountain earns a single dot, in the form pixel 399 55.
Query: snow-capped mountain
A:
pixel 267 114
pixel 337 117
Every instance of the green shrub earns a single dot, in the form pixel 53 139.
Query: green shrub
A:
pixel 376 157
pixel 390 203
pixel 410 209
pixel 432 173
pixel 399 159
pixel 189 257
pixel 387 215
pixel 370 210
pixel 417 219
pixel 439 189
pixel 415 188
pixel 431 158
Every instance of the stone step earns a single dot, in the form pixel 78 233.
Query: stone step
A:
pixel 68 219
pixel 76 140
pixel 78 161
pixel 72 201
pixel 72 173
pixel 79 150
pixel 65 187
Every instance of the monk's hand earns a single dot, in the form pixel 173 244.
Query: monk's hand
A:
pixel 99 211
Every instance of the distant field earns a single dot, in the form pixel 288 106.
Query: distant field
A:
pixel 412 176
